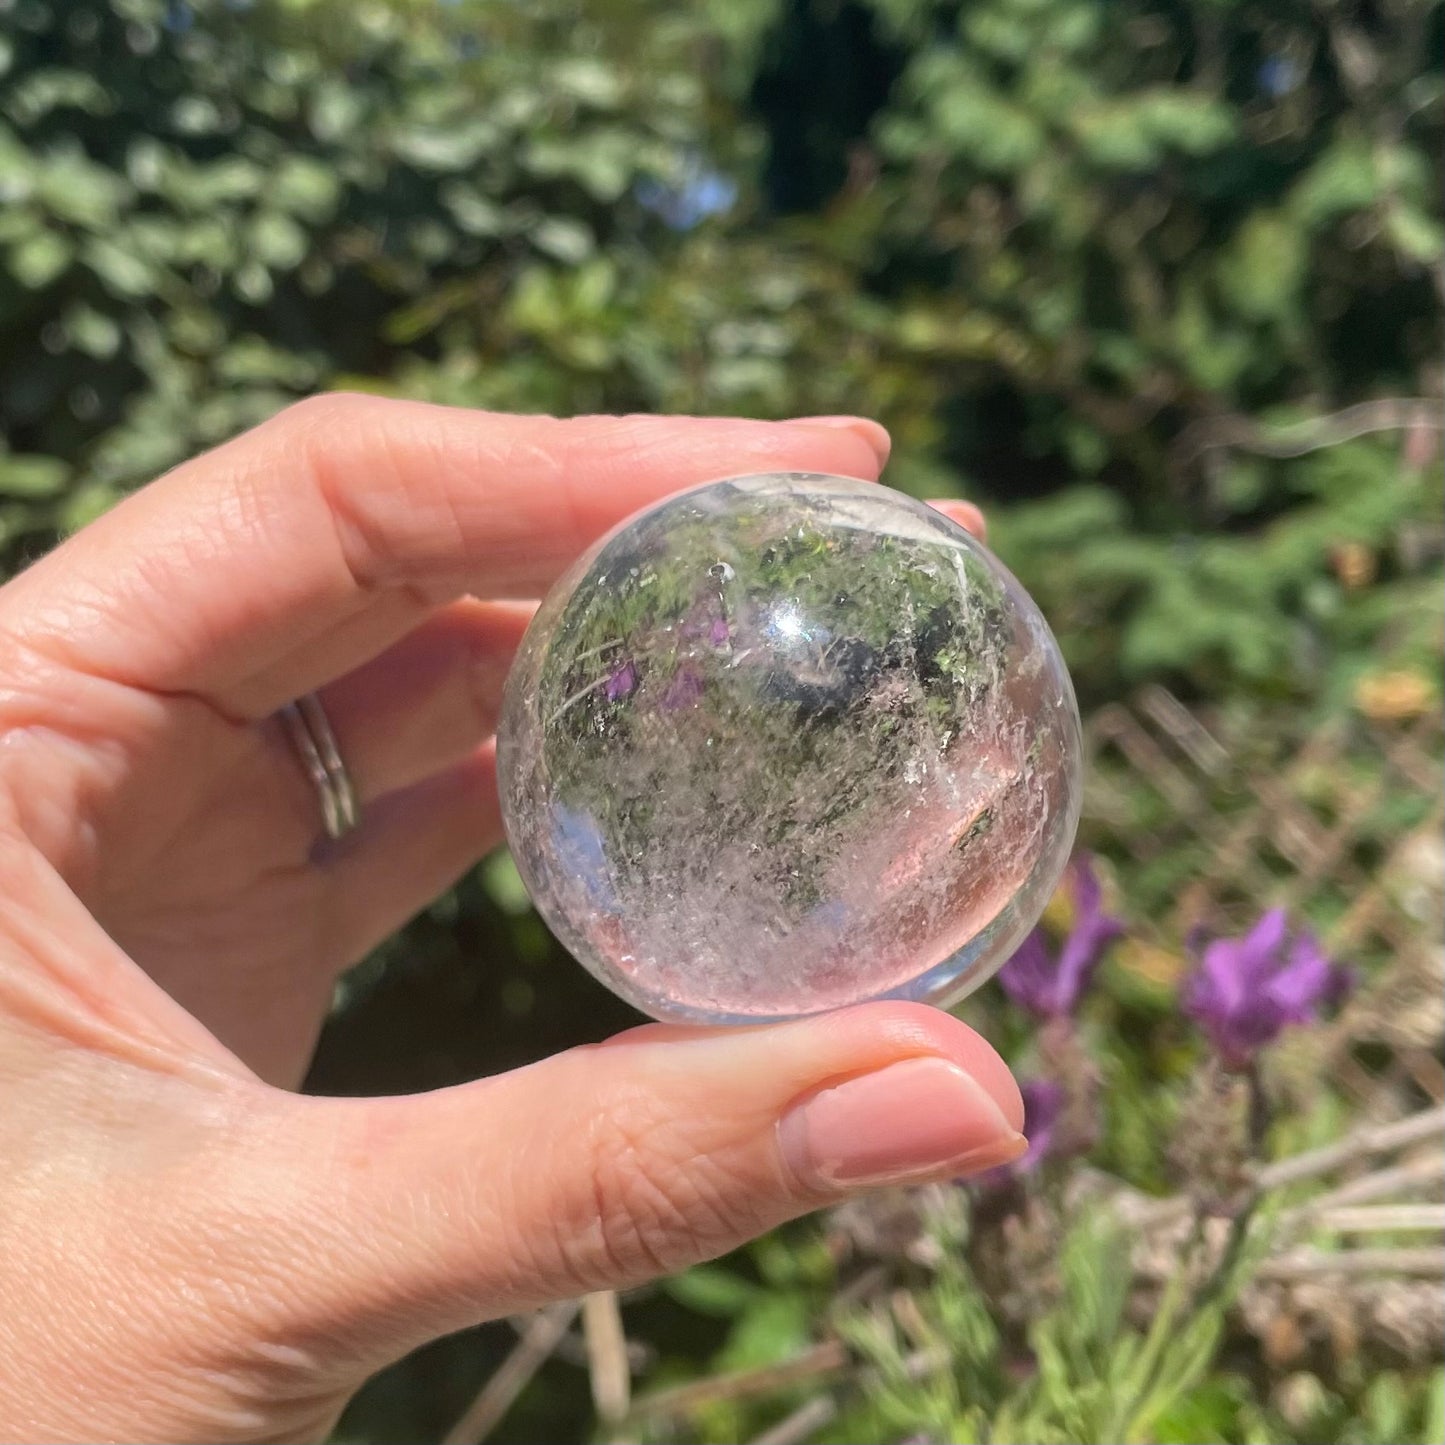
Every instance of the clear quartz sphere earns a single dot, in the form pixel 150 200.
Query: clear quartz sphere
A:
pixel 788 742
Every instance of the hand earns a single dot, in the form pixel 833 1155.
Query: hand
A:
pixel 188 1251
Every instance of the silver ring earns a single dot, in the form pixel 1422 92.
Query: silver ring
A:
pixel 314 740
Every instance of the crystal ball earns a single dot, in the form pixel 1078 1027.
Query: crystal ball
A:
pixel 784 743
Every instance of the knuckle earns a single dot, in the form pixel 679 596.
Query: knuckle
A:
pixel 327 432
pixel 362 456
pixel 652 1203
pixel 328 412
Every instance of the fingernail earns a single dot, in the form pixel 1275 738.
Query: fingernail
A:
pixel 919 1119
pixel 964 513
pixel 870 432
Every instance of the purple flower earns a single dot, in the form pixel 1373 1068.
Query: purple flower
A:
pixel 1246 990
pixel 1044 1101
pixel 684 690
pixel 622 682
pixel 1049 986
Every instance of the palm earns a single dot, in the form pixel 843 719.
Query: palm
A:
pixel 196 843
pixel 202 874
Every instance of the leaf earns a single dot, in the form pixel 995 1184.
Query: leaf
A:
pixel 472 211
pixel 204 188
pixel 253 284
pixel 773 1326
pixel 1185 119
pixel 504 884
pixel 336 110
pixel 1345 178
pixel 277 241
pixel 79 192
pixel 453 147
pixel 17 169
pixel 602 164
pixel 592 81
pixel 33 478
pixel 1213 350
pixel 37 92
pixel 36 261
pixel 146 162
pixel 989 129
pixel 121 271
pixel 92 332
pixel 1435 1408
pixel 89 501
pixel 305 187
pixel 1418 235
pixel 565 238
pixel 250 361
pixel 1387 1407
pixel 1261 271
pixel 712 1290
pixel 1110 134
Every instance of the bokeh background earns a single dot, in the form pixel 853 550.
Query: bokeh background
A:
pixel 1158 282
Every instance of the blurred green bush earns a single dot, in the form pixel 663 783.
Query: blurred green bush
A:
pixel 1067 249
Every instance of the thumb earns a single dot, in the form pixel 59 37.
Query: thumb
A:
pixel 610 1165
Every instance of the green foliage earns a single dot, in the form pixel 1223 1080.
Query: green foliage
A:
pixel 1090 1373
pixel 1080 229
pixel 212 210
pixel 1242 609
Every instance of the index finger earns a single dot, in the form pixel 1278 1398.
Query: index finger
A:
pixel 297 551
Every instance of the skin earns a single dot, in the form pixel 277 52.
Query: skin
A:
pixel 191 1250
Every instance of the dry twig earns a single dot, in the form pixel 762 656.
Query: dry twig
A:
pixel 528 1356
pixel 1308 1263
pixel 608 1367
pixel 794 1428
pixel 822 1410
pixel 1373 1139
pixel 1243 434
pixel 1414 1174
pixel 810 1364
pixel 1366 1218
